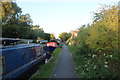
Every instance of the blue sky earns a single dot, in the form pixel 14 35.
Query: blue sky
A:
pixel 57 16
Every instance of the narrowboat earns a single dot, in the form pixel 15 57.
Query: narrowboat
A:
pixel 18 58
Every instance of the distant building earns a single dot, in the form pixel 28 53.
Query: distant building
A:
pixel 73 33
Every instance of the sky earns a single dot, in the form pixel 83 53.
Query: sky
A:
pixel 57 16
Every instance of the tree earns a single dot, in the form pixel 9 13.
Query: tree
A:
pixel 14 24
pixel 18 25
pixel 97 52
pixel 52 36
pixel 10 10
pixel 46 36
pixel 26 19
pixel 64 36
pixel 103 34
pixel 36 33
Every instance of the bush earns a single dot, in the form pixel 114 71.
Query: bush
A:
pixel 96 55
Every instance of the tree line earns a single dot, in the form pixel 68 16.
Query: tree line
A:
pixel 95 49
pixel 18 25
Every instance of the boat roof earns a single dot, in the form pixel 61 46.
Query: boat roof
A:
pixel 15 40
pixel 10 39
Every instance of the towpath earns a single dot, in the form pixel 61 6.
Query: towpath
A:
pixel 64 67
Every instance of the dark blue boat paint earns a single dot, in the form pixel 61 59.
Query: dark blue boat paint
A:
pixel 18 59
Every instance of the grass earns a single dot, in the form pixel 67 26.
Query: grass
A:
pixel 45 70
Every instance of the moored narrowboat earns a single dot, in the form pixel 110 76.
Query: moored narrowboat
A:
pixel 18 58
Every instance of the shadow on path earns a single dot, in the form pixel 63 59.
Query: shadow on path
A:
pixel 64 67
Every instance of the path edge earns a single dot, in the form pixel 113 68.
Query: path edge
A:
pixel 56 64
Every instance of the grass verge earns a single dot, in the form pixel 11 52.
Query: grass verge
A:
pixel 46 69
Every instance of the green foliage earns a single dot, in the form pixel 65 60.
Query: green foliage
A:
pixel 36 33
pixel 52 36
pixel 47 36
pixel 18 25
pixel 64 36
pixel 9 10
pixel 14 24
pixel 96 46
